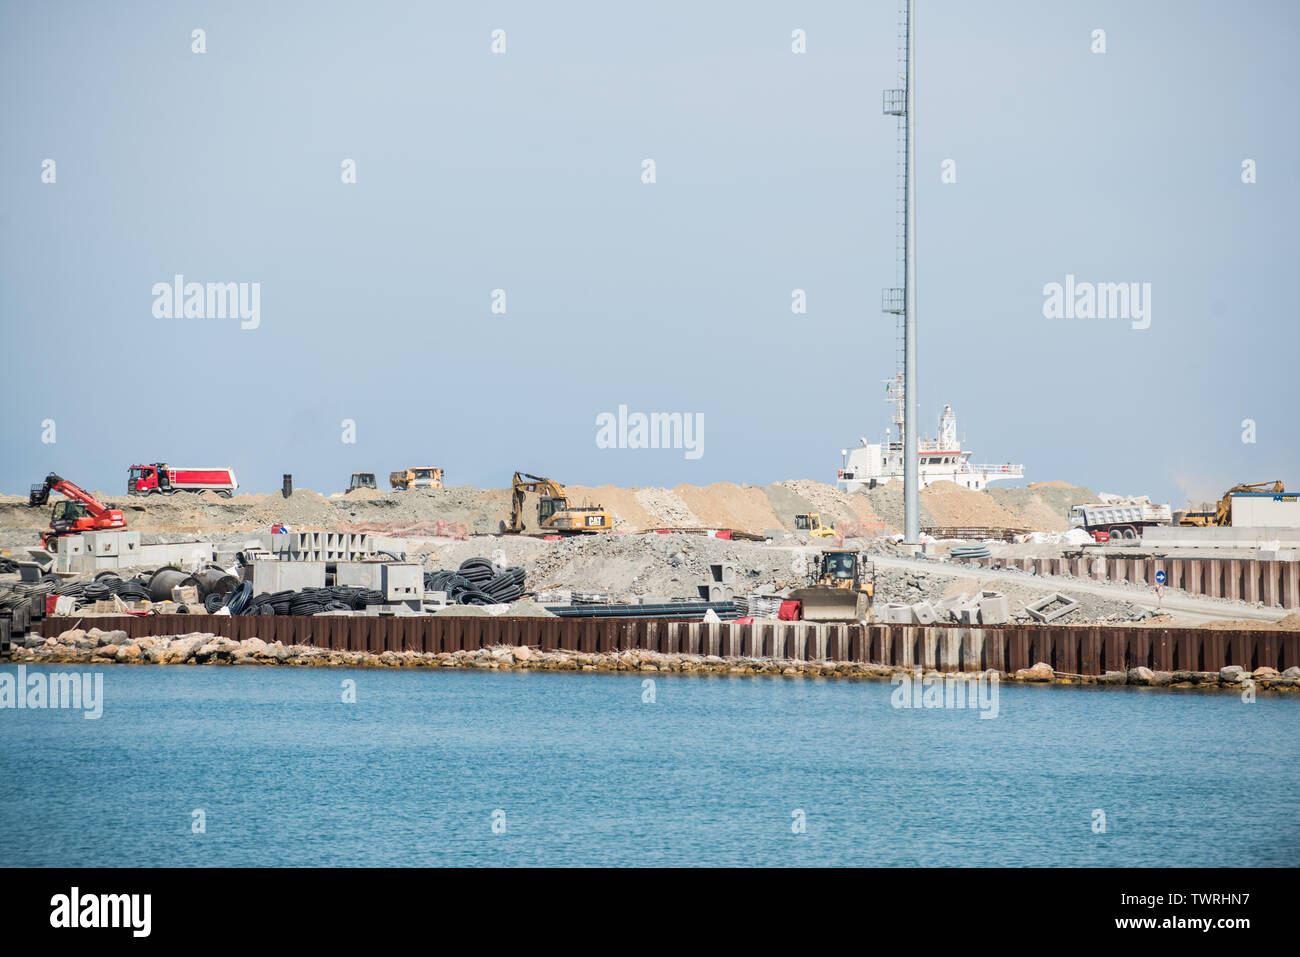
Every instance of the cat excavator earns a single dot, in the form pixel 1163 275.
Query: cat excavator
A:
pixel 78 512
pixel 1221 517
pixel 554 513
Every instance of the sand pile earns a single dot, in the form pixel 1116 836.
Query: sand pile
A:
pixel 834 505
pixel 724 505
pixel 1042 506
pixel 629 514
pixel 667 508
pixel 951 505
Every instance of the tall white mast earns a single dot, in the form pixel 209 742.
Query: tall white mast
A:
pixel 901 103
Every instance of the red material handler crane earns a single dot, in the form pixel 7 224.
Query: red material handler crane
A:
pixel 79 512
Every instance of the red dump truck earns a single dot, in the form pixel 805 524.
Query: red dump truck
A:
pixel 163 479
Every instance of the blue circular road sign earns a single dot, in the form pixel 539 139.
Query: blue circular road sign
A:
pixel 1160 577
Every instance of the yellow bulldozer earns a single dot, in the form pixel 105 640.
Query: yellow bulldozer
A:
pixel 555 516
pixel 1221 517
pixel 416 477
pixel 842 584
pixel 811 524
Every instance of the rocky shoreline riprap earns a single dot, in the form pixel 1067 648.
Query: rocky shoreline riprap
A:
pixel 95 647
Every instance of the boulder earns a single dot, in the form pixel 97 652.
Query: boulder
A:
pixel 1231 674
pixel 1265 672
pixel 1041 671
pixel 523 653
pixel 1113 678
pixel 181 650
pixel 248 648
pixel 112 638
pixel 1140 676
pixel 128 653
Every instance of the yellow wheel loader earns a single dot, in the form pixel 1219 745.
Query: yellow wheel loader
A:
pixel 841 587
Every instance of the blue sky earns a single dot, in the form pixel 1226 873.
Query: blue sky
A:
pixel 522 172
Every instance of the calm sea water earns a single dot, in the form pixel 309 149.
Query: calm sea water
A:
pixel 711 772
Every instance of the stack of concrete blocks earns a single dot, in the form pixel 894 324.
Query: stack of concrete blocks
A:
pixel 274 576
pixel 318 546
pixel 721 585
pixel 96 551
pixel 69 554
pixel 986 608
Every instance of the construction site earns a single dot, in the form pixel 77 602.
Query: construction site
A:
pixel 799 558
pixel 908 533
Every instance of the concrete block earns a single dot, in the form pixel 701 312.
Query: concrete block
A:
pixel 100 543
pixel 71 545
pixel 723 573
pixel 896 614
pixel 1051 608
pixel 720 592
pixel 403 582
pixel 361 574
pixel 399 608
pixel 994 609
pixel 923 613
pixel 270 577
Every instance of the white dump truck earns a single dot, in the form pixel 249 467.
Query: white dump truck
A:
pixel 1118 522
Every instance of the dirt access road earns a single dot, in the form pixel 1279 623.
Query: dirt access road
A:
pixel 1190 609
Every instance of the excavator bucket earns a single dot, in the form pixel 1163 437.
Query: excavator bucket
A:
pixel 832 604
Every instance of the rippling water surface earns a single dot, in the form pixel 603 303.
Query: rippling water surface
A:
pixel 713 771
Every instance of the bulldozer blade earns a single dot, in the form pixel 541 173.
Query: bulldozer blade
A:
pixel 832 604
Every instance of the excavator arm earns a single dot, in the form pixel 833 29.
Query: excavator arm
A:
pixel 1223 514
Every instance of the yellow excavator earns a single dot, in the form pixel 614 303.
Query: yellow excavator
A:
pixel 842 586
pixel 554 513
pixel 1221 517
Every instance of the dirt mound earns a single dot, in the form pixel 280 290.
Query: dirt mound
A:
pixel 949 504
pixel 667 508
pixel 1290 623
pixel 1043 506
pixel 724 505
pixel 835 506
pixel 622 503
